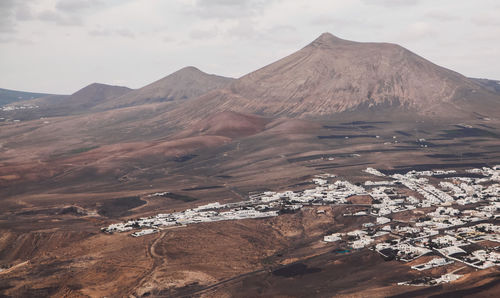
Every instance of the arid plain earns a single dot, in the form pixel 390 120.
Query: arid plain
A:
pixel 71 165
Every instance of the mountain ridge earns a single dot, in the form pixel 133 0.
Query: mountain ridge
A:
pixel 8 96
pixel 186 83
pixel 83 99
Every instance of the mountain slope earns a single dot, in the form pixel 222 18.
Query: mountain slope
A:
pixel 186 83
pixel 332 75
pixel 230 124
pixel 492 85
pixel 97 93
pixel 9 96
pixel 81 101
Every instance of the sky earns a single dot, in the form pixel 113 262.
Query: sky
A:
pixel 60 46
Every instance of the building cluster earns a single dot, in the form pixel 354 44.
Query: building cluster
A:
pixel 429 281
pixel 374 172
pixel 201 214
pixel 437 262
pixel 9 108
pixel 459 210
pixel 463 210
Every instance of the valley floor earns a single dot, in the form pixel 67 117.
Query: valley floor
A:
pixel 52 212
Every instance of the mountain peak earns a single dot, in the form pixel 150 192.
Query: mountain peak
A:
pixel 187 82
pixel 332 75
pixel 97 88
pixel 327 39
pixel 92 86
pixel 190 69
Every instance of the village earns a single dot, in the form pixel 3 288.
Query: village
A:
pixel 13 107
pixel 461 210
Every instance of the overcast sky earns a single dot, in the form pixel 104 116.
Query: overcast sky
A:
pixel 60 46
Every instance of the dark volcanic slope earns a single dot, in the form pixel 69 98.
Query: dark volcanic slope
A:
pixel 230 124
pixel 491 85
pixel 8 96
pixel 332 75
pixel 185 83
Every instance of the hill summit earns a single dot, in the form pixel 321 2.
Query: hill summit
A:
pixel 186 83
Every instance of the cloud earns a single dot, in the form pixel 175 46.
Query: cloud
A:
pixel 6 5
pixel 19 41
pixel 418 31
pixel 168 39
pixel 203 34
pixel 441 16
pixel 7 39
pixel 60 18
pixel 325 20
pixel 281 34
pixel 24 12
pixel 392 3
pixel 243 29
pixel 99 33
pixel 228 9
pixel 486 20
pixel 7 23
pixel 248 30
pixel 72 6
pixel 70 12
pixel 14 11
pixel 123 32
pixel 62 12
